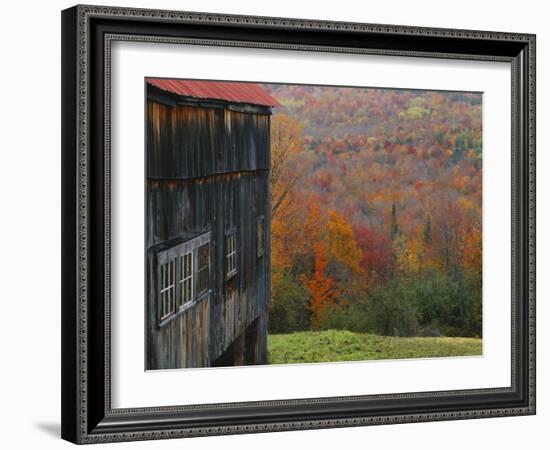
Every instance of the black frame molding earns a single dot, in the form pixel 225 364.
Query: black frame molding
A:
pixel 87 33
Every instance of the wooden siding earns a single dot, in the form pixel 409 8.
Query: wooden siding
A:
pixel 192 142
pixel 174 346
pixel 208 170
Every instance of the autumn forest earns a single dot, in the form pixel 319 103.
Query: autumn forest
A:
pixel 376 199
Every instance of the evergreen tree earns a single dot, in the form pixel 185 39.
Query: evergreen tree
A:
pixel 394 231
pixel 428 230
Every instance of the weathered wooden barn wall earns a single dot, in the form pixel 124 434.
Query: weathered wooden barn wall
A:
pixel 208 170
pixel 172 345
pixel 187 142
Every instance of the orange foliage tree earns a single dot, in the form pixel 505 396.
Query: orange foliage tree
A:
pixel 320 286
pixel 294 232
pixel 472 259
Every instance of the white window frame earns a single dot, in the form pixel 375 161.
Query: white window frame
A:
pixel 167 289
pixel 186 281
pixel 230 254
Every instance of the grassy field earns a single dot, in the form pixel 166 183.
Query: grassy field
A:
pixel 341 345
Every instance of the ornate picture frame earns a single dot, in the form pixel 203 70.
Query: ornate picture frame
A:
pixel 88 33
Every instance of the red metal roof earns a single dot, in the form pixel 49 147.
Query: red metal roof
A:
pixel 216 90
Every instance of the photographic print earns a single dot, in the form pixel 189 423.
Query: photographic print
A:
pixel 367 216
pixel 290 223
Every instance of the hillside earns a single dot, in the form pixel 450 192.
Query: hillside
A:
pixel 376 210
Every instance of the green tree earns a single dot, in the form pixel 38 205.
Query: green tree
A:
pixel 428 230
pixel 288 308
pixel 394 227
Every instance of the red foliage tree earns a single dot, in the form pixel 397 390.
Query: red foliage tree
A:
pixel 376 250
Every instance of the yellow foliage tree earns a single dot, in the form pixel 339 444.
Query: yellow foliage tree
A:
pixel 408 255
pixel 342 246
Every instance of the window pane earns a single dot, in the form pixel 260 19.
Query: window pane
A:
pixel 189 261
pixel 203 268
pixel 167 288
pixel 230 254
pixel 203 252
pixel 186 279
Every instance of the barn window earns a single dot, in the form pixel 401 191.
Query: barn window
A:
pixel 260 236
pixel 167 288
pixel 231 254
pixel 186 278
pixel 183 275
pixel 203 268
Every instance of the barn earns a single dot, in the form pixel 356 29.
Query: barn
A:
pixel 207 227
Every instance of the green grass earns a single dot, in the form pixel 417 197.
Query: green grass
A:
pixel 342 345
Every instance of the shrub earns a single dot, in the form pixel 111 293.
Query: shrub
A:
pixel 351 317
pixel 432 305
pixel 438 301
pixel 391 310
pixel 288 306
pixel 384 311
pixel 473 308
